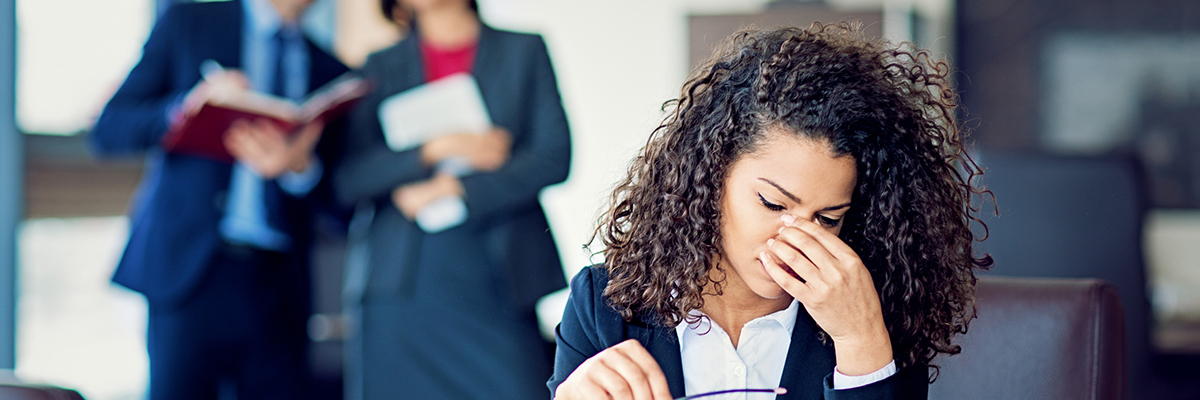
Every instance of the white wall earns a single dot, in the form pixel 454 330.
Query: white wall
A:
pixel 617 61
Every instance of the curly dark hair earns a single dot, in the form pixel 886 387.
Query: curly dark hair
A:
pixel 889 107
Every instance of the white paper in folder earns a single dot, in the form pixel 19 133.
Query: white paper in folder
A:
pixel 446 106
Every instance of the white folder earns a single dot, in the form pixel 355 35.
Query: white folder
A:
pixel 446 106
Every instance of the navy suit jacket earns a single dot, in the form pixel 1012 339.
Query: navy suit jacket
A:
pixel 174 215
pixel 590 325
pixel 520 91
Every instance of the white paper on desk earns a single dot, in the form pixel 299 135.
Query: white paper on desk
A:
pixel 446 106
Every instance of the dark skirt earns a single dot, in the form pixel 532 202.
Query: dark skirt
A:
pixel 455 337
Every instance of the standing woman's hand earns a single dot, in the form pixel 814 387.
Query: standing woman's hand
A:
pixel 485 152
pixel 625 371
pixel 411 198
pixel 835 288
pixel 491 150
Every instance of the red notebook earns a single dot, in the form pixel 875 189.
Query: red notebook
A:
pixel 203 133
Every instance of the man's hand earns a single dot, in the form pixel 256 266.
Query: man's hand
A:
pixel 216 85
pixel 268 150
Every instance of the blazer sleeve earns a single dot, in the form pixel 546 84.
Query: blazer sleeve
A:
pixel 908 383
pixel 369 169
pixel 578 335
pixel 135 119
pixel 542 159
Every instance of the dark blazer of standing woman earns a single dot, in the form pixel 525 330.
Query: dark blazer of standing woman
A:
pixel 520 91
pixel 450 314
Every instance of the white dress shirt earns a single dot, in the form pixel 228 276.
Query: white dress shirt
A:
pixel 711 363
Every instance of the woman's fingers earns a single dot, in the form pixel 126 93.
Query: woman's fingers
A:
pixel 797 248
pixel 623 371
pixel 490 150
pixel 808 245
pixel 609 379
pixel 841 295
pixel 654 376
pixel 831 242
pixel 631 380
pixel 795 287
pixel 808 269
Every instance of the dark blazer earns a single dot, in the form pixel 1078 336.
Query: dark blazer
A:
pixel 180 201
pixel 521 94
pixel 590 325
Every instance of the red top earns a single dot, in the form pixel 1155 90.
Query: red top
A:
pixel 439 62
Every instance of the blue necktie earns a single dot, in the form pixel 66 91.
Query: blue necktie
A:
pixel 273 203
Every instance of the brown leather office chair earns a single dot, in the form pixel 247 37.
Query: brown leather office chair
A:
pixel 1039 338
pixel 23 391
pixel 1076 217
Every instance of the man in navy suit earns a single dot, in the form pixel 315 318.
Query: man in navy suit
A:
pixel 219 249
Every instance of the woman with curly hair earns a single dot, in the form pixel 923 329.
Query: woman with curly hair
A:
pixel 799 220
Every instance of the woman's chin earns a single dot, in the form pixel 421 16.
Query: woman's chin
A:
pixel 770 290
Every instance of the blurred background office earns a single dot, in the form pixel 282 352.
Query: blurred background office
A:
pixel 1104 94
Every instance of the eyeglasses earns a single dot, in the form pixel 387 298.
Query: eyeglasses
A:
pixel 777 390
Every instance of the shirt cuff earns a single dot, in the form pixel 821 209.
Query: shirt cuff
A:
pixel 300 183
pixel 841 382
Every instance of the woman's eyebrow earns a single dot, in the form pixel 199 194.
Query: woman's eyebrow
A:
pixel 797 199
pixel 782 190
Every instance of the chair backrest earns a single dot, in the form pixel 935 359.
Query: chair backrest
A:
pixel 24 391
pixel 1039 338
pixel 1075 217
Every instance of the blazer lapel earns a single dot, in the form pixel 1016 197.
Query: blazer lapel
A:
pixel 225 42
pixel 663 345
pixel 486 70
pixel 406 63
pixel 808 362
pixel 410 58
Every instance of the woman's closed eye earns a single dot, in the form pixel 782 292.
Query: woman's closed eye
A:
pixel 769 205
pixel 827 221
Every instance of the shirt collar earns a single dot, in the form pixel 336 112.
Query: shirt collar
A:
pixel 785 317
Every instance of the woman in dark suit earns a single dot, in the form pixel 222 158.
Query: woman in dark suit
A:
pixel 799 220
pixel 450 314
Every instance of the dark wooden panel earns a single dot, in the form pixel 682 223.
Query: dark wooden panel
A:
pixel 1000 54
pixel 62 180
pixel 60 189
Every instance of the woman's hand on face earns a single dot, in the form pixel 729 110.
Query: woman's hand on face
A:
pixel 835 288
pixel 625 371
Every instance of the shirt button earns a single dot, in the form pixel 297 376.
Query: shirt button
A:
pixel 739 370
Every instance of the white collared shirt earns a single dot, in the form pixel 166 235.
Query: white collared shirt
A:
pixel 711 363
